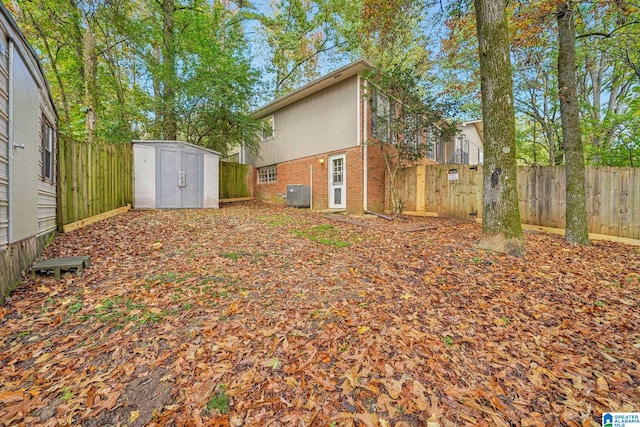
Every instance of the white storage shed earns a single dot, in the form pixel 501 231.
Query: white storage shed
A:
pixel 174 174
pixel 28 151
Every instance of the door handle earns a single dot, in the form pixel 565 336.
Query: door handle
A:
pixel 182 179
pixel 16 145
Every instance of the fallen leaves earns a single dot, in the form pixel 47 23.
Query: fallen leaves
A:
pixel 395 329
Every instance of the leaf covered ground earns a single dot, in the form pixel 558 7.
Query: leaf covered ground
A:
pixel 261 315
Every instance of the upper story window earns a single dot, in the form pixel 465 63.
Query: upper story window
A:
pixel 412 135
pixel 461 152
pixel 434 141
pixel 46 150
pixel 268 129
pixel 380 116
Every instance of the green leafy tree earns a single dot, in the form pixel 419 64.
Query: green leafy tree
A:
pixel 161 69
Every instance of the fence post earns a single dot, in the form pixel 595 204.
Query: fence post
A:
pixel 420 188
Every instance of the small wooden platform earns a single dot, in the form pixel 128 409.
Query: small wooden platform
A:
pixel 58 264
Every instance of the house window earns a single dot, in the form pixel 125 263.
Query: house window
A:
pixel 267 174
pixel 46 147
pixel 412 136
pixel 380 116
pixel 461 154
pixel 465 151
pixel 268 129
pixel 434 140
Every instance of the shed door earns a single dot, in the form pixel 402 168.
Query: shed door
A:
pixel 24 150
pixel 167 167
pixel 179 179
pixel 191 189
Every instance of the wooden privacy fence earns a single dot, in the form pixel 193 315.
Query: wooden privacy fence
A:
pixel 613 195
pixel 235 180
pixel 92 179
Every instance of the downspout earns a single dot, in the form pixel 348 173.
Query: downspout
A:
pixel 10 147
pixel 365 151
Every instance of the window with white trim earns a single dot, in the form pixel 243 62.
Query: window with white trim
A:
pixel 268 129
pixel 267 174
pixel 46 147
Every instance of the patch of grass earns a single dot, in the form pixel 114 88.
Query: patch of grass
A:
pixel 231 255
pixel 219 401
pixel 164 278
pixel 276 220
pixel 66 394
pixel 75 307
pixel 274 363
pixel 325 234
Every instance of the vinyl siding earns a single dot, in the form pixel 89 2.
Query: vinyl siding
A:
pixel 323 122
pixel 47 197
pixel 4 141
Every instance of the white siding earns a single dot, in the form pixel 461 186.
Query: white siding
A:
pixel 4 141
pixel 23 203
pixel 211 177
pixel 47 196
pixel 322 122
pixel 144 176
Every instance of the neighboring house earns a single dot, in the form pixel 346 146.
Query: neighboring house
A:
pixel 28 129
pixel 466 147
pixel 316 136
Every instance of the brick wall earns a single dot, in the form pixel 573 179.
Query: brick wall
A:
pixel 311 171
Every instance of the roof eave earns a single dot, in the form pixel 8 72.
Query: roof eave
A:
pixel 332 78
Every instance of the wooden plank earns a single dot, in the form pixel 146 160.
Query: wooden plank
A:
pixel 634 205
pixel 84 222
pixel 236 199
pixel 421 213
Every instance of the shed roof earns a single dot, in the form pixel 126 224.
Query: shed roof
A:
pixel 162 141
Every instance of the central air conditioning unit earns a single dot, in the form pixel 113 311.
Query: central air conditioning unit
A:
pixel 298 196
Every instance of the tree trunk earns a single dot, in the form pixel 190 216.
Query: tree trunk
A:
pixel 501 227
pixel 169 116
pixel 90 60
pixel 576 230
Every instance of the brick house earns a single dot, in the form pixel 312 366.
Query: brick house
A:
pixel 317 135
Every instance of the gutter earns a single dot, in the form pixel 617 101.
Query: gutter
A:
pixel 365 151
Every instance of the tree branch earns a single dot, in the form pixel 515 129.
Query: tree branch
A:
pixel 606 35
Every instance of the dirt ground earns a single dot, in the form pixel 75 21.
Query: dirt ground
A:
pixel 258 315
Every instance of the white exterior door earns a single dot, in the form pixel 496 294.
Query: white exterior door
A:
pixel 337 180
pixel 24 150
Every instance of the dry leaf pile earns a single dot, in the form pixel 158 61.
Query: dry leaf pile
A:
pixel 261 315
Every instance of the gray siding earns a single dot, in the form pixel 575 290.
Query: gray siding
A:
pixel 47 196
pixel 322 122
pixel 4 140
